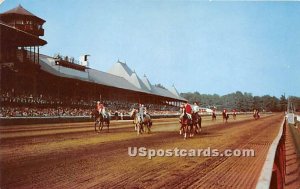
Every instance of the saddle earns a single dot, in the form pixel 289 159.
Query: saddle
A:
pixel 186 119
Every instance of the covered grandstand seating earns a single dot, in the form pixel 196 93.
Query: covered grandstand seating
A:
pixel 120 76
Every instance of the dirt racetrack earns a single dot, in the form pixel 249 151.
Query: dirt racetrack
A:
pixel 74 156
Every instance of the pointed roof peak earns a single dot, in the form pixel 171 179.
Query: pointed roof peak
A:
pixel 121 62
pixel 21 11
pixel 174 90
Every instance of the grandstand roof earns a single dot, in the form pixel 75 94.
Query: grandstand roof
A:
pixel 147 82
pixel 121 69
pixel 111 80
pixel 127 79
pixel 136 81
pixel 174 91
pixel 48 64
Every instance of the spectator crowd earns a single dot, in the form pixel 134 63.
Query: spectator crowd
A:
pixel 27 105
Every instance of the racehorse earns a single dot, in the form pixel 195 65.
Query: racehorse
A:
pixel 100 120
pixel 225 116
pixel 256 114
pixel 196 124
pixel 234 115
pixel 213 116
pixel 139 123
pixel 185 123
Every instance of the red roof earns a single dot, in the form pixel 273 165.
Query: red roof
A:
pixel 21 11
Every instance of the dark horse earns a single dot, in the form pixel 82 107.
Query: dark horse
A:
pixel 100 120
pixel 213 116
pixel 196 123
pixel 225 116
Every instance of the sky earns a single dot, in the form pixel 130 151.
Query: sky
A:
pixel 213 47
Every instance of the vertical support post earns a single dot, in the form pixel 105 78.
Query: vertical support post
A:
pixel 38 53
pixel 30 53
pixel 34 55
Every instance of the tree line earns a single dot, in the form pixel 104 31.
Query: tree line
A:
pixel 242 101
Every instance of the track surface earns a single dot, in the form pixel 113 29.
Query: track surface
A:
pixel 74 156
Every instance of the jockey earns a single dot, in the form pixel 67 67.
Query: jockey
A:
pixel 196 108
pixel 188 110
pixel 141 111
pixel 101 109
pixel 214 113
pixel 99 106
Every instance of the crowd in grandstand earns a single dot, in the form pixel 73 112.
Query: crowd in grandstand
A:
pixel 27 105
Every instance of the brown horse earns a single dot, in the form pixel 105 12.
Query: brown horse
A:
pixel 196 123
pixel 256 114
pixel 100 121
pixel 225 116
pixel 184 122
pixel 213 116
pixel 186 125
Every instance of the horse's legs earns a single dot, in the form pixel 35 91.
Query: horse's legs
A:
pixel 196 128
pixel 142 127
pixel 191 130
pixel 199 124
pixel 185 131
pixel 149 127
pixel 108 126
pixel 95 126
pixel 101 123
pixel 180 129
pixel 138 128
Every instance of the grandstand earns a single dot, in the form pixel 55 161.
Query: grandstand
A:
pixel 27 73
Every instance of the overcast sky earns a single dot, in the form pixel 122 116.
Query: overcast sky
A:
pixel 205 46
